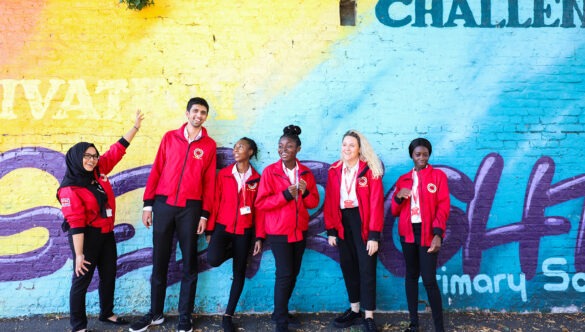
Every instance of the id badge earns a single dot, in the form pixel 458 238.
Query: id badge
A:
pixel 348 203
pixel 245 210
pixel 108 212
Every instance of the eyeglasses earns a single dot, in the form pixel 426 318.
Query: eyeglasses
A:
pixel 91 156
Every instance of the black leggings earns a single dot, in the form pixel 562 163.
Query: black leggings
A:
pixel 223 246
pixel 420 263
pixel 358 268
pixel 288 258
pixel 100 250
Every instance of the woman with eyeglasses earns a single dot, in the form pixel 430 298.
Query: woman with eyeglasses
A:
pixel 89 207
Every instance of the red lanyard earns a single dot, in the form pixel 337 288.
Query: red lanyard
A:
pixel 348 187
pixel 243 189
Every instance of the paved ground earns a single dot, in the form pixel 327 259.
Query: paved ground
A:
pixel 455 321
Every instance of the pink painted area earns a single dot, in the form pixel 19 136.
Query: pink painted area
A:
pixel 18 20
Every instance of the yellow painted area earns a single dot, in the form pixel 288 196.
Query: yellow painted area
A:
pixel 129 208
pixel 23 242
pixel 27 188
pixel 87 65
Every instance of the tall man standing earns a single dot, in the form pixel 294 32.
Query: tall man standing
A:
pixel 177 200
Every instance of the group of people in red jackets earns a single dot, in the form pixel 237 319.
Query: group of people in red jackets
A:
pixel 238 210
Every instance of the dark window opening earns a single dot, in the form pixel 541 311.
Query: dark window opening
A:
pixel 347 12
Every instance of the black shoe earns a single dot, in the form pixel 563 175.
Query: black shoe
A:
pixel 281 327
pixel 347 319
pixel 146 321
pixel 370 325
pixel 227 324
pixel 292 321
pixel 412 328
pixel 118 321
pixel 185 324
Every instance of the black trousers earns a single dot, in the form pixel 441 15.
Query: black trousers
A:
pixel 358 268
pixel 288 258
pixel 100 250
pixel 223 246
pixel 167 221
pixel 420 263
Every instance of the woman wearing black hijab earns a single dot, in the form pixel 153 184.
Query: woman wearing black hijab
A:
pixel 89 207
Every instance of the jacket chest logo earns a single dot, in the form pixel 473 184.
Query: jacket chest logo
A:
pixel 198 153
pixel 363 181
pixel 432 188
pixel 252 186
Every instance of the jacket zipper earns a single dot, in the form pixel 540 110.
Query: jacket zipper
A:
pixel 182 171
pixel 238 203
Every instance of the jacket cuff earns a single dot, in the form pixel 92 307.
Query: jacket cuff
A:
pixel 398 200
pixel 287 195
pixel 205 214
pixel 437 231
pixel 124 142
pixel 148 202
pixel 260 239
pixel 332 232
pixel 77 230
pixel 374 236
pixel 306 193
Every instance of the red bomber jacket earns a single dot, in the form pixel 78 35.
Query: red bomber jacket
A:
pixel 370 196
pixel 228 202
pixel 434 205
pixel 282 214
pixel 183 171
pixel 80 207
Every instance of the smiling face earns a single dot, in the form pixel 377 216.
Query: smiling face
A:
pixel 196 115
pixel 287 150
pixel 90 159
pixel 420 157
pixel 242 151
pixel 350 150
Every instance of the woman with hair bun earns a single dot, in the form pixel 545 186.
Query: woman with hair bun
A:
pixel 354 218
pixel 421 200
pixel 287 190
pixel 234 222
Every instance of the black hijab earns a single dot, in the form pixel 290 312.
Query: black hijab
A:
pixel 76 175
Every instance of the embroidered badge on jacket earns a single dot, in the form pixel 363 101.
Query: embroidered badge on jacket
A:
pixel 432 188
pixel 363 181
pixel 252 186
pixel 197 153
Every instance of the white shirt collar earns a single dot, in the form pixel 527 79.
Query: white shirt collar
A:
pixel 198 137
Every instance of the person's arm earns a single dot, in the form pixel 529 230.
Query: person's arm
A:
pixel 310 194
pixel 135 128
pixel 208 191
pixel 80 262
pixel 331 209
pixel 442 212
pixel 112 157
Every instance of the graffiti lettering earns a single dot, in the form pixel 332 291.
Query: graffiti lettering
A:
pixel 461 11
pixel 466 230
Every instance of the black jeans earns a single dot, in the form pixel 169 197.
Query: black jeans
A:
pixel 358 268
pixel 223 246
pixel 288 258
pixel 420 263
pixel 100 250
pixel 167 221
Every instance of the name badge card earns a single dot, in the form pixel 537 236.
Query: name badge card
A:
pixel 245 210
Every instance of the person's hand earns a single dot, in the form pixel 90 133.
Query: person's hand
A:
pixel 372 247
pixel 302 186
pixel 257 247
pixel 80 265
pixel 201 226
pixel 139 118
pixel 207 238
pixel 404 193
pixel 332 240
pixel 147 218
pixel 292 189
pixel 435 245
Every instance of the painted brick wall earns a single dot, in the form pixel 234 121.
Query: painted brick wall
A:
pixel 501 104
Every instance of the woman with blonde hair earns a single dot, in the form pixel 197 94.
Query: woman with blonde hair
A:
pixel 354 218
